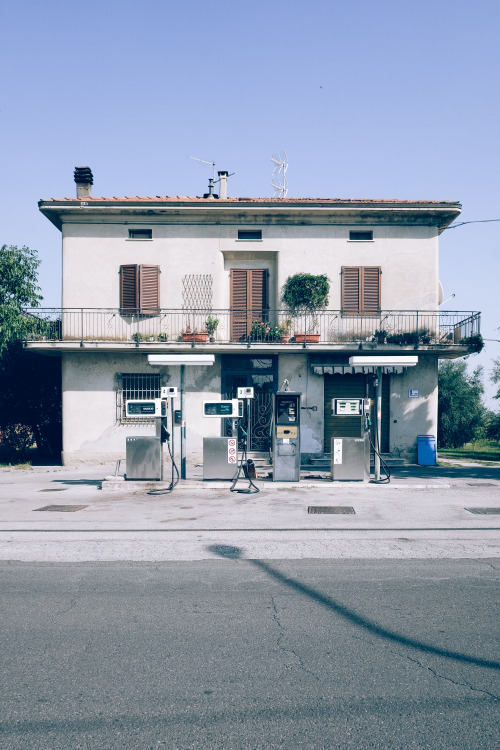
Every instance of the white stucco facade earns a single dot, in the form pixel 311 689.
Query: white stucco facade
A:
pixel 200 237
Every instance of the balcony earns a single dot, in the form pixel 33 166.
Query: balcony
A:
pixel 446 333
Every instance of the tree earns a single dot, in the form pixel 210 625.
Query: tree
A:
pixel 460 409
pixel 18 289
pixel 30 384
pixel 30 400
pixel 493 421
pixel 495 375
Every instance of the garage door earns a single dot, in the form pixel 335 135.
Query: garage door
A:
pixel 353 386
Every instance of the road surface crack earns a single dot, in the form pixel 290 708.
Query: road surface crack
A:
pixel 435 672
pixel 284 649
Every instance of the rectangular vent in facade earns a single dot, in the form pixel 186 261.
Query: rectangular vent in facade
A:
pixel 361 236
pixel 249 234
pixel 140 234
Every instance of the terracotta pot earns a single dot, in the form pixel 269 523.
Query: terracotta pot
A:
pixel 284 339
pixel 309 338
pixel 200 338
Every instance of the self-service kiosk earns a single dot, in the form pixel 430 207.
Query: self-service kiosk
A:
pixel 350 454
pixel 286 436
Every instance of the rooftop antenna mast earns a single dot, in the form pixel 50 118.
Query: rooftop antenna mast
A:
pixel 279 181
pixel 210 164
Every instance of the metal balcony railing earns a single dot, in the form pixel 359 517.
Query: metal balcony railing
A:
pixel 198 327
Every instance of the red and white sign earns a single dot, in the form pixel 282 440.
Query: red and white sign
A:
pixel 232 451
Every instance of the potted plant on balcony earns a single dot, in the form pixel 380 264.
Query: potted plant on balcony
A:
pixel 162 336
pixel 284 331
pixel 305 294
pixel 211 326
pixel 264 332
pixel 381 336
pixel 199 337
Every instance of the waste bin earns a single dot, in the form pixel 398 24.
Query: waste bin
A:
pixel 426 450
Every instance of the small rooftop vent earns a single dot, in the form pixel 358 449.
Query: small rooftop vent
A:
pixel 84 181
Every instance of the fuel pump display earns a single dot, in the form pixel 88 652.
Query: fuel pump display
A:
pixel 286 436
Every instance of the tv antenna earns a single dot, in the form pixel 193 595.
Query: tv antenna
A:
pixel 212 182
pixel 279 181
pixel 203 161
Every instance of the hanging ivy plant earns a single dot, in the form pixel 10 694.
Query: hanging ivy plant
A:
pixel 474 343
pixel 305 291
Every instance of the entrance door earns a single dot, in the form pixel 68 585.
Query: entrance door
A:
pixel 262 374
pixel 248 300
pixel 353 386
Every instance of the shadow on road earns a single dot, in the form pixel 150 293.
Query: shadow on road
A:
pixel 237 553
pixel 446 472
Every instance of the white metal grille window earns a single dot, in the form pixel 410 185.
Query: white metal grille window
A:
pixel 138 386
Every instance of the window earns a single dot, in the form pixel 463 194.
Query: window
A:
pixel 361 236
pixel 138 386
pixel 249 234
pixel 361 290
pixel 248 300
pixel 140 234
pixel 140 288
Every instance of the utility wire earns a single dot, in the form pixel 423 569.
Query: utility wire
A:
pixel 478 221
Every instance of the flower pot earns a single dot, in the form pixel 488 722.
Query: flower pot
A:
pixel 199 338
pixel 284 339
pixel 308 338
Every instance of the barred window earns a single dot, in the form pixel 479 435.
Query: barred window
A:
pixel 139 386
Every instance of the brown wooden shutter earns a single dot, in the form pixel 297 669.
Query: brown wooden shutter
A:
pixel 370 289
pixel 360 289
pixel 248 300
pixel 149 294
pixel 129 287
pixel 350 289
pixel 238 303
pixel 258 294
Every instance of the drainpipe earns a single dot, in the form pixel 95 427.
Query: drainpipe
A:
pixel 378 397
pixel 183 427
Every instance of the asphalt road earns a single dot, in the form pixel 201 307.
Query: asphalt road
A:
pixel 236 653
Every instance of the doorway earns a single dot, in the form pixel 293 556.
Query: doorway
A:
pixel 262 374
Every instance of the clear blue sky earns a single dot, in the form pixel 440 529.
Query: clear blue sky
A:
pixel 384 99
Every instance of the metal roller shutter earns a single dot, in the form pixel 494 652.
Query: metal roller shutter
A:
pixel 353 386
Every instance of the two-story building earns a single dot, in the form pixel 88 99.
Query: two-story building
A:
pixel 193 275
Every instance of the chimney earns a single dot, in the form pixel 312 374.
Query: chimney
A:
pixel 84 181
pixel 210 193
pixel 223 184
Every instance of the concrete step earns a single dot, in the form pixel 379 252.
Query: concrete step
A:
pixel 322 463
pixel 325 461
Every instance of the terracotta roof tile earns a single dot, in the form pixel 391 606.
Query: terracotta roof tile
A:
pixel 278 201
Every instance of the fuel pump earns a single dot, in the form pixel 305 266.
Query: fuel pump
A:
pixel 286 436
pixel 167 392
pixel 350 454
pixel 144 454
pixel 245 465
pixel 220 454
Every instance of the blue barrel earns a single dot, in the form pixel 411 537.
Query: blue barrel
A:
pixel 426 450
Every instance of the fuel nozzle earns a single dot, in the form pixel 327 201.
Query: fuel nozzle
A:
pixel 165 434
